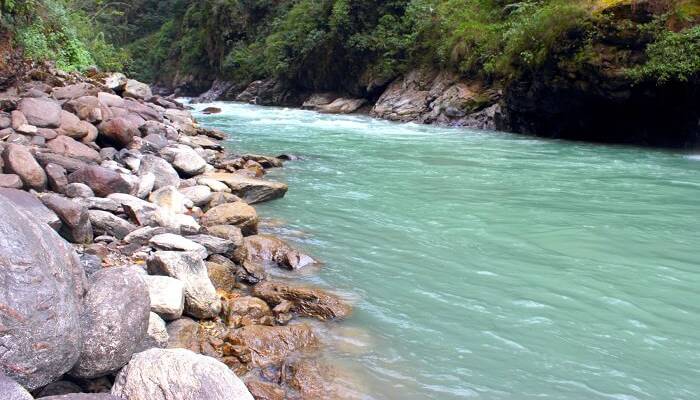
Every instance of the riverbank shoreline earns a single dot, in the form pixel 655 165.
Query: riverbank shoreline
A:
pixel 133 199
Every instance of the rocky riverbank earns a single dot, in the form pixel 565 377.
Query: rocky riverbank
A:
pixel 130 258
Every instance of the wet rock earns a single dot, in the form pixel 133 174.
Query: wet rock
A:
pixel 167 296
pixel 271 345
pixel 19 161
pixel 211 110
pixel 57 177
pixel 183 334
pixel 201 300
pixel 76 227
pixel 11 390
pixel 104 222
pixel 137 90
pixel 119 131
pixel 308 378
pixel 31 205
pixel 69 147
pixel 78 190
pixel 41 112
pixel 265 161
pixel 341 105
pixel 265 391
pixel 156 335
pixel 102 181
pixel 11 181
pixel 250 189
pixel 238 213
pixel 222 275
pixel 169 241
pixel 247 310
pixel 270 249
pixel 114 321
pixel 199 195
pixel 164 374
pixel 42 336
pixel 306 301
pixel 165 173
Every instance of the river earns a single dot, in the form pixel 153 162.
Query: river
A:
pixel 488 265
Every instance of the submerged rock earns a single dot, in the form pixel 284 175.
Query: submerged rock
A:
pixel 270 345
pixel 166 374
pixel 306 301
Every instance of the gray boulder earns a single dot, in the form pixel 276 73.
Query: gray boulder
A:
pixel 165 173
pixel 199 195
pixel 78 190
pixel 201 300
pixel 31 205
pixel 43 283
pixel 167 296
pixel 165 374
pixel 170 241
pixel 137 90
pixel 114 320
pixel 41 112
pixel 76 227
pixel 106 223
pixel 11 390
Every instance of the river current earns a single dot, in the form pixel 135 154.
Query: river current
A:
pixel 487 265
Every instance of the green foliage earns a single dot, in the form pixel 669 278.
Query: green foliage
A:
pixel 674 56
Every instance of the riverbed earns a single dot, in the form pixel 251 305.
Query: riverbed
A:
pixel 489 265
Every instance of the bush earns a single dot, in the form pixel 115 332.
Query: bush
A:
pixel 674 56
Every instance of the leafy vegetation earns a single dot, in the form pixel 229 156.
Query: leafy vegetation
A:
pixel 335 44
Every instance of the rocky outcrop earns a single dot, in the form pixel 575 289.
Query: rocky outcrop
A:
pixel 429 96
pixel 165 374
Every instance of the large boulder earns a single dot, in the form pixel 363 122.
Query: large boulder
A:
pixel 73 91
pixel 89 108
pixel 120 131
pixel 76 227
pixel 19 161
pixel 74 127
pixel 114 321
pixel 106 223
pixel 250 189
pixel 271 345
pixel 165 173
pixel 199 195
pixel 31 205
pixel 41 112
pixel 201 300
pixel 237 213
pixel 184 159
pixel 171 241
pixel 43 283
pixel 271 249
pixel 69 147
pixel 305 301
pixel 11 390
pixel 137 90
pixel 168 374
pixel 102 181
pixel 167 296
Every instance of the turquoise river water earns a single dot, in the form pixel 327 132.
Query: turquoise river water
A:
pixel 487 265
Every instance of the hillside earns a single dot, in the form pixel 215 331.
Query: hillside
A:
pixel 593 70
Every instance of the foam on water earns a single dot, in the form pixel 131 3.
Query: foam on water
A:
pixel 488 265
